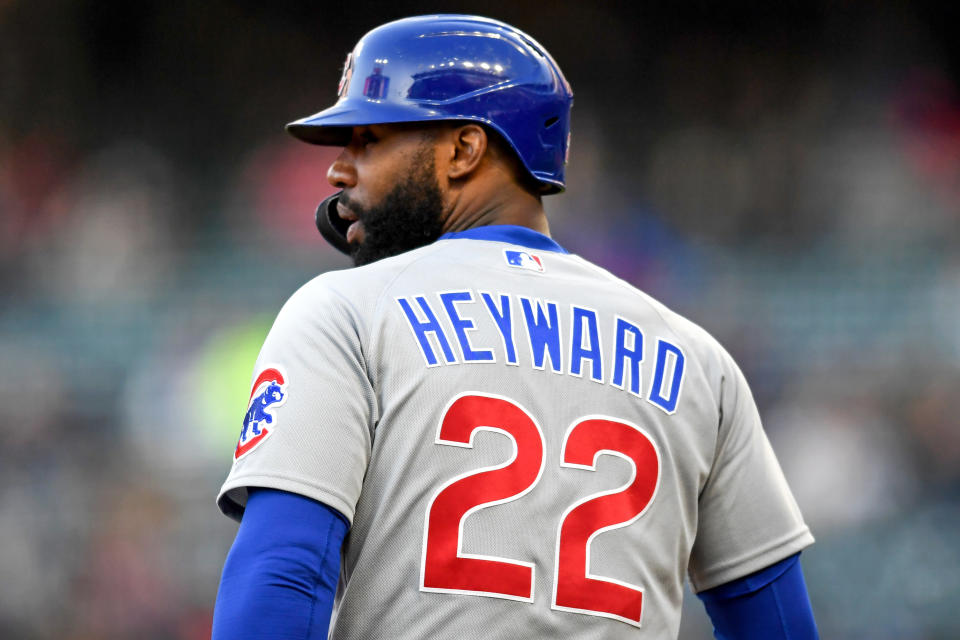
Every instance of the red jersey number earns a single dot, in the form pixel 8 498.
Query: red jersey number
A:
pixel 575 588
pixel 445 568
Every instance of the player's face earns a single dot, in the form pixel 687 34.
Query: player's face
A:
pixel 390 191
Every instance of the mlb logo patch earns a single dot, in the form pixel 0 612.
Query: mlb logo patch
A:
pixel 269 391
pixel 523 260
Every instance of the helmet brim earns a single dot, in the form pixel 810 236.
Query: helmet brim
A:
pixel 332 126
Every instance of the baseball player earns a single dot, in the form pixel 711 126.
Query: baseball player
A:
pixel 474 433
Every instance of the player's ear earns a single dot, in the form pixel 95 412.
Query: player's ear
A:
pixel 468 148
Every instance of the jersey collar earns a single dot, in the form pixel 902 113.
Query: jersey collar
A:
pixel 509 233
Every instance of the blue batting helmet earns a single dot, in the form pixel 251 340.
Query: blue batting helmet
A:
pixel 455 67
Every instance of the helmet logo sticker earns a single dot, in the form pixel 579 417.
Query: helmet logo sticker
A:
pixel 344 85
pixel 376 84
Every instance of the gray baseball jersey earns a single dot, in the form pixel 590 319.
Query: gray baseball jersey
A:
pixel 525 445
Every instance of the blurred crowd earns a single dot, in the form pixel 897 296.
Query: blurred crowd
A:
pixel 793 187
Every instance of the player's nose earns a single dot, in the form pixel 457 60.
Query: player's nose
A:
pixel 342 174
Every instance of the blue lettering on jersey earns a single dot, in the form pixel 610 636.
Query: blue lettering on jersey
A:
pixel 628 347
pixel 544 334
pixel 421 329
pixel 502 318
pixel 462 325
pixel 621 365
pixel 664 352
pixel 579 352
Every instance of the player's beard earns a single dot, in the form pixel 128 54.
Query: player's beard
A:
pixel 410 215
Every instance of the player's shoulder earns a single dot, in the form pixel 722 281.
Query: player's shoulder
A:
pixel 357 288
pixel 694 339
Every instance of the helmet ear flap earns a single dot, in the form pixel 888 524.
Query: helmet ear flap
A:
pixel 332 227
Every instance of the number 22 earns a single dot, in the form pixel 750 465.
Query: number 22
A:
pixel 445 568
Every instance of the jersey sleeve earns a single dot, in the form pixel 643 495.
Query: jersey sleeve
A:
pixel 748 519
pixel 309 423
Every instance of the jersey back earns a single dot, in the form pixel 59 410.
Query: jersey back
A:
pixel 525 445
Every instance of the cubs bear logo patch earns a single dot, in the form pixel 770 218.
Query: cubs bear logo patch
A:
pixel 269 391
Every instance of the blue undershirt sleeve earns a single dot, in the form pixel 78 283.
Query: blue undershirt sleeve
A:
pixel 281 574
pixel 771 603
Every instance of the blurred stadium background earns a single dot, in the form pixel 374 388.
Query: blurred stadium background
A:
pixel 786 176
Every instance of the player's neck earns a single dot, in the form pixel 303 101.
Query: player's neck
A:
pixel 480 205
